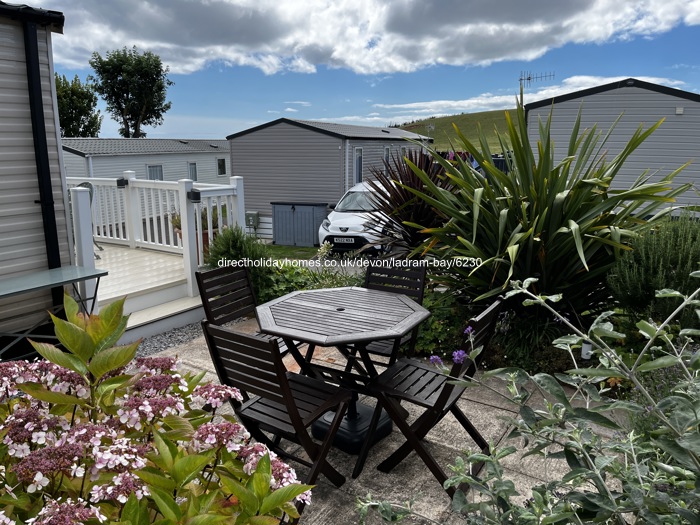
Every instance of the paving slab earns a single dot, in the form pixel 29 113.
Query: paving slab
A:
pixel 410 480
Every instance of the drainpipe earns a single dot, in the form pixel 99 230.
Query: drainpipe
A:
pixel 41 152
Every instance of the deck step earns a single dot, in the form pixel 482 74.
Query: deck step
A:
pixel 163 317
pixel 150 296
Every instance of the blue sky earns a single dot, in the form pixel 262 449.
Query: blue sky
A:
pixel 240 63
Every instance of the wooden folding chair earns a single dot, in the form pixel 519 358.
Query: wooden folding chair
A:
pixel 409 281
pixel 227 295
pixel 276 401
pixel 421 384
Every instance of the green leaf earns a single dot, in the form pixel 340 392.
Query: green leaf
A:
pixel 181 428
pixel 247 498
pixel 690 332
pixel 59 357
pixel 74 339
pixel 647 329
pixel 662 362
pixel 691 441
pixel 595 417
pixel 155 477
pixel 596 372
pixel 187 468
pixel 669 293
pixel 166 504
pixel 550 385
pixel 263 520
pixel 166 450
pixel 39 392
pixel 111 359
pixel 281 496
pixel 213 519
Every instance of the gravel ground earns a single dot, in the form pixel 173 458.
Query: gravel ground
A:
pixel 177 336
pixel 159 342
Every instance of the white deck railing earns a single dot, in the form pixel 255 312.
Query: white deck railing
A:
pixel 143 214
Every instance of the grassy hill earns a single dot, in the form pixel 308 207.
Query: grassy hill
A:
pixel 440 128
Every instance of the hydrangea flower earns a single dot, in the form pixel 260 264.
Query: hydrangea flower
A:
pixel 66 513
pixel 215 435
pixel 214 395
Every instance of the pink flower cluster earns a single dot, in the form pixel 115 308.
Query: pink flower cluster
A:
pixel 155 365
pixel 66 513
pixel 30 427
pixel 216 435
pixel 138 410
pixel 122 486
pixel 214 395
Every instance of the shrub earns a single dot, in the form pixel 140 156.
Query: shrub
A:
pixel 402 215
pixel 442 332
pixel 93 435
pixel 623 477
pixel 234 244
pixel 558 221
pixel 662 257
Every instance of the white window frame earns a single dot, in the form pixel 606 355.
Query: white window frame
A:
pixel 357 165
pixel 225 173
pixel 387 154
pixel 192 170
pixel 157 168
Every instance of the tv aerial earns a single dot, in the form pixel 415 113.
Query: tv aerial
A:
pixel 527 78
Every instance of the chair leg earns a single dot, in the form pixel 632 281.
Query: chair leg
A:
pixel 419 428
pixel 360 463
pixel 318 455
pixel 471 429
pixel 415 443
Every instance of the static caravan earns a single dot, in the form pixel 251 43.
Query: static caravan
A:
pixel 305 165
pixel 34 232
pixel 674 143
pixel 154 159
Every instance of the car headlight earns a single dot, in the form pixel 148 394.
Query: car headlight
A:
pixel 325 224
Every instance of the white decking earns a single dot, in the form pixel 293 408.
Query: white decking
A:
pixel 154 284
pixel 136 271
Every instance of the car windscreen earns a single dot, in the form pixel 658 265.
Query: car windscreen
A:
pixel 354 201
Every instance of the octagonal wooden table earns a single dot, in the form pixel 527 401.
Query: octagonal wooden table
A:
pixel 345 318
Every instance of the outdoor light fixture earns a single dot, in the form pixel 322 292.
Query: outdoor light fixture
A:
pixel 122 182
pixel 194 196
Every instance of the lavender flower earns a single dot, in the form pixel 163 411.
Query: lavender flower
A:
pixel 435 360
pixel 37 468
pixel 459 356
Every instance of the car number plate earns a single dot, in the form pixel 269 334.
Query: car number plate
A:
pixel 349 240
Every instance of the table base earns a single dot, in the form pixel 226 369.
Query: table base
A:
pixel 353 431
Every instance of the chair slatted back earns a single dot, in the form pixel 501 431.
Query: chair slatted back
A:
pixel 249 363
pixel 226 293
pixel 408 280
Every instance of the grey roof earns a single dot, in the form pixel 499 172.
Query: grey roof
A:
pixel 112 147
pixel 53 19
pixel 619 84
pixel 341 130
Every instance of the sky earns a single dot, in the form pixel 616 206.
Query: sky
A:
pixel 236 64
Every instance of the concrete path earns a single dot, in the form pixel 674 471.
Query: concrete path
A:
pixel 410 480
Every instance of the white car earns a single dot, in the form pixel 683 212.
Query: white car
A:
pixel 349 226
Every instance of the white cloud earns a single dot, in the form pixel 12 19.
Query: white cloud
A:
pixel 375 37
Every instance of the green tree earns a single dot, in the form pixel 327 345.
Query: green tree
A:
pixel 134 85
pixel 76 108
